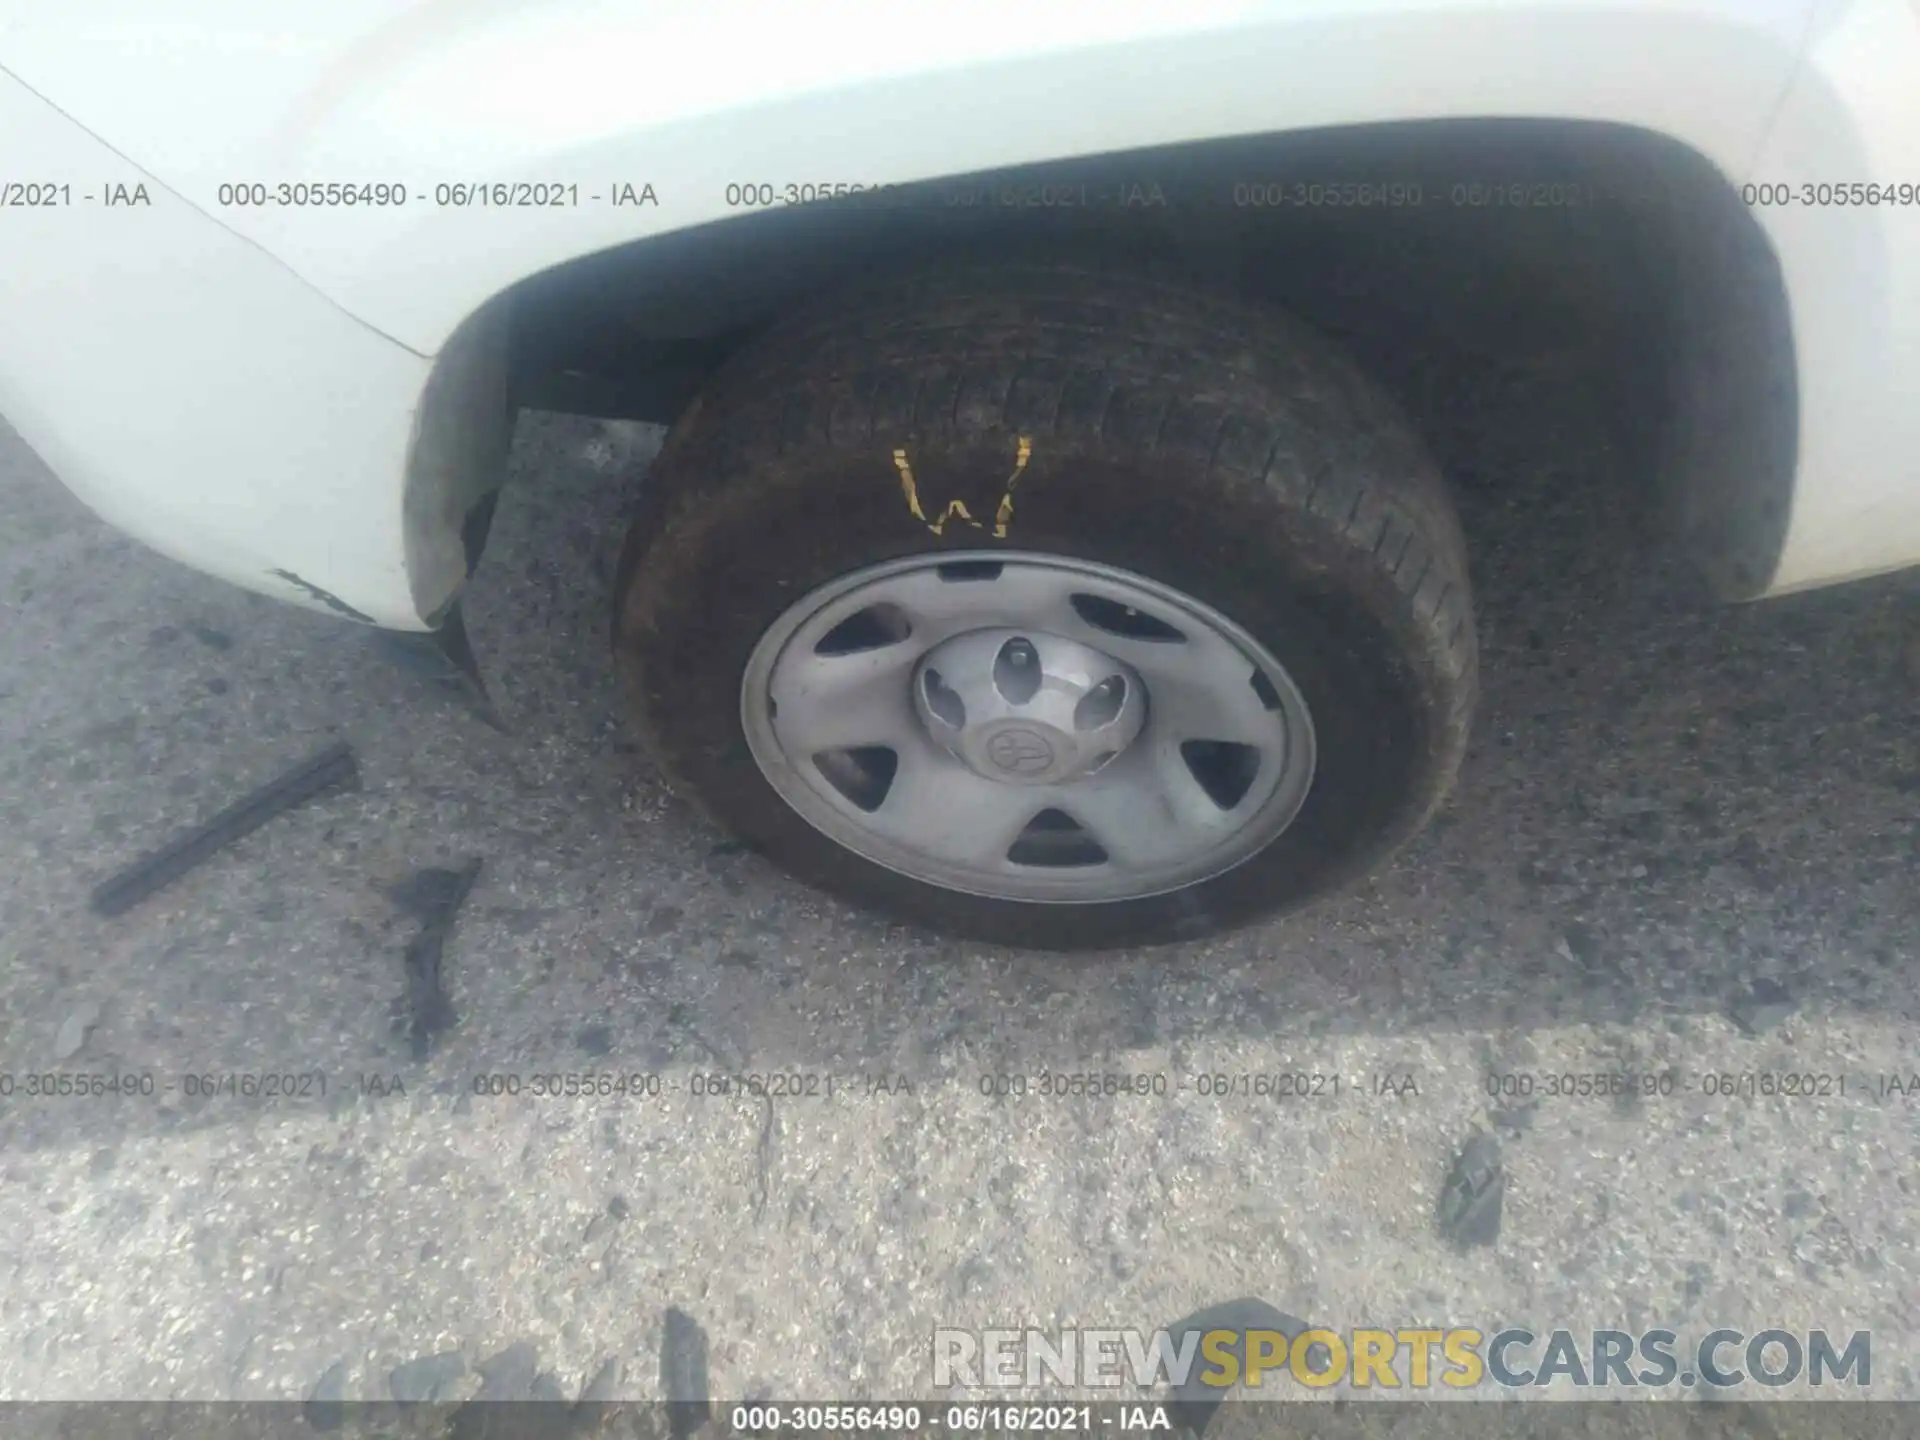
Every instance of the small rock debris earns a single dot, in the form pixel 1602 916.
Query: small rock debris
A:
pixel 71 1037
pixel 1468 1213
pixel 1763 1005
pixel 1516 1120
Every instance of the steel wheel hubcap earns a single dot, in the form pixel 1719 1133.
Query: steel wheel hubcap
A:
pixel 1027 709
pixel 1027 727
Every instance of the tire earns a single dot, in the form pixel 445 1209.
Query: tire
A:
pixel 1174 435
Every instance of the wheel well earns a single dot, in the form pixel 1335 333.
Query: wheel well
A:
pixel 1627 238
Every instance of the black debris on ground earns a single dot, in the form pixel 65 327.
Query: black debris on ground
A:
pixel 683 1374
pixel 427 1379
pixel 428 895
pixel 517 1400
pixel 325 1406
pixel 333 766
pixel 532 1417
pixel 509 1375
pixel 600 1389
pixel 434 898
pixel 445 659
pixel 1468 1214
pixel 1194 1402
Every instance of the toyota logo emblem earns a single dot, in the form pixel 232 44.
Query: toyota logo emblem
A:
pixel 1021 751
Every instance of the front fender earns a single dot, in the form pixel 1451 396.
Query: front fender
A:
pixel 194 391
pixel 589 96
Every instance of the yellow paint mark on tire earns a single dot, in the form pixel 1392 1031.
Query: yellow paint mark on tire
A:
pixel 1003 517
pixel 956 509
pixel 912 492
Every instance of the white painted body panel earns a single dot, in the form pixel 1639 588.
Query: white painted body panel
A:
pixel 195 392
pixel 688 97
pixel 1853 283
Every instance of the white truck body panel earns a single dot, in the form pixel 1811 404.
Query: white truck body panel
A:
pixel 1853 283
pixel 196 393
pixel 239 419
pixel 690 96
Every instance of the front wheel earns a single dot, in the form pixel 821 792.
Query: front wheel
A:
pixel 1054 607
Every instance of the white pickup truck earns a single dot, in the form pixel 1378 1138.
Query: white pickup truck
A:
pixel 1023 557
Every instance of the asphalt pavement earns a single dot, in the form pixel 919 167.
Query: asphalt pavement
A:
pixel 1684 845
